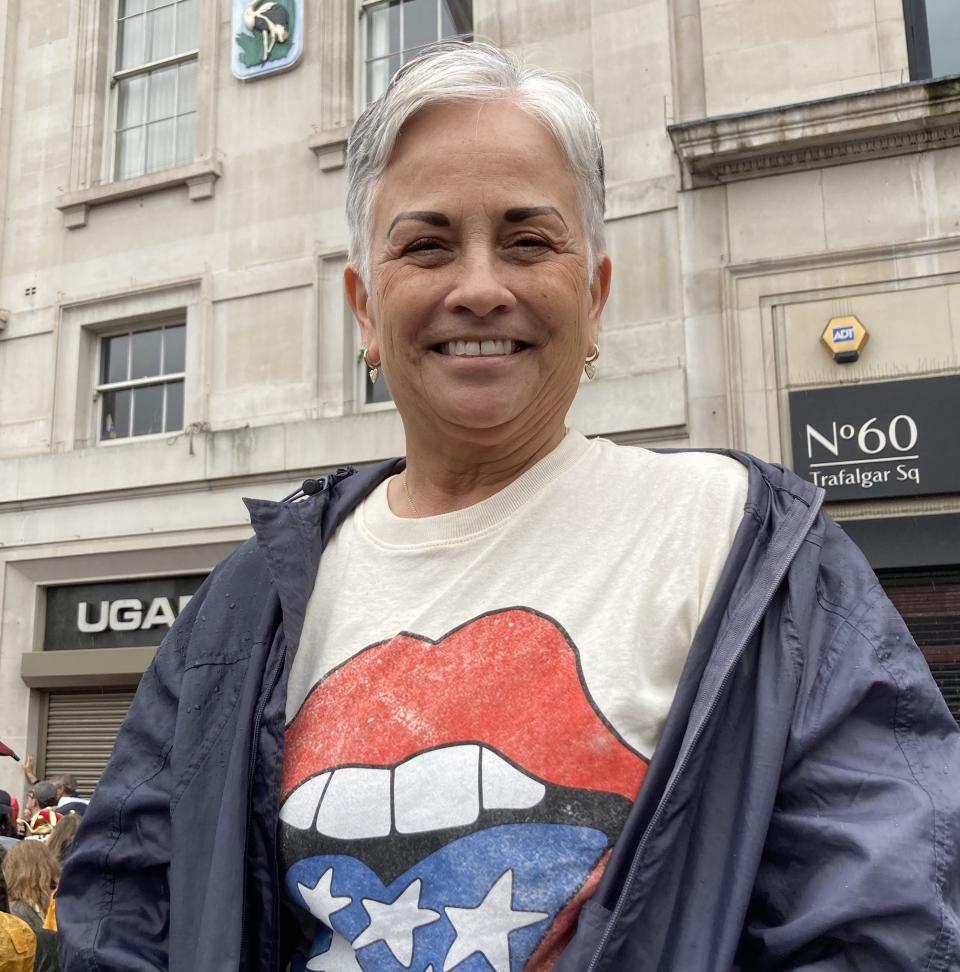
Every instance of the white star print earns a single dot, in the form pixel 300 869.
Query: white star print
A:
pixel 395 922
pixel 486 928
pixel 339 957
pixel 320 899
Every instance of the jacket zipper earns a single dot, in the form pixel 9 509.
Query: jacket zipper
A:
pixel 255 742
pixel 743 635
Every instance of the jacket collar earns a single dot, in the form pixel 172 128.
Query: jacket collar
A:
pixel 292 536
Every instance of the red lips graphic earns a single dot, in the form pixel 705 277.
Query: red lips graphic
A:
pixel 509 680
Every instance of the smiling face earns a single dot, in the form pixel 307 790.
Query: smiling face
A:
pixel 480 305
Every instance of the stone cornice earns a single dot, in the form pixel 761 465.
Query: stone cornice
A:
pixel 833 131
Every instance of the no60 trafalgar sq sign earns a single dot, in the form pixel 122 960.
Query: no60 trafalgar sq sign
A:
pixel 892 438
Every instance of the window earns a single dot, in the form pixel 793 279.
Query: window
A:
pixel 155 79
pixel 396 30
pixel 141 382
pixel 933 37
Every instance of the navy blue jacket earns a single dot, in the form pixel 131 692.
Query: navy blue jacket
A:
pixel 802 810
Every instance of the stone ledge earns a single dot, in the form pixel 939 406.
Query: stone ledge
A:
pixel 886 122
pixel 89 667
pixel 198 177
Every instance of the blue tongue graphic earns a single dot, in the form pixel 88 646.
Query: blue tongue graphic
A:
pixel 482 902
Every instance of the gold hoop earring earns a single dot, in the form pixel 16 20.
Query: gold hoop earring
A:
pixel 589 364
pixel 374 368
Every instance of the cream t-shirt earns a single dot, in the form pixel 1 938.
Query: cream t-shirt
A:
pixel 475 700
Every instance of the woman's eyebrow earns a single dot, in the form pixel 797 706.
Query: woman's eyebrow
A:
pixel 522 213
pixel 420 216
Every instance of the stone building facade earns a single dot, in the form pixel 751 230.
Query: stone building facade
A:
pixel 173 333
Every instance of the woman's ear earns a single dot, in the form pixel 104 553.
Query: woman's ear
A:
pixel 599 292
pixel 359 301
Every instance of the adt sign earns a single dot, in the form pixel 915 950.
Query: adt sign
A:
pixel 844 338
pixel 883 439
pixel 843 334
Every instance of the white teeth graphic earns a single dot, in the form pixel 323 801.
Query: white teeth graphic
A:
pixel 356 804
pixel 474 349
pixel 505 787
pixel 300 808
pixel 433 790
pixel 451 801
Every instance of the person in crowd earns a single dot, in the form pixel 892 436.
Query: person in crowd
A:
pixel 18 943
pixel 68 797
pixel 41 795
pixel 522 700
pixel 65 786
pixel 32 874
pixel 63 835
pixel 8 820
pixel 40 816
pixel 30 806
pixel 28 767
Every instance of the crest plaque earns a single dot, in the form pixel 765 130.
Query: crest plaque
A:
pixel 267 37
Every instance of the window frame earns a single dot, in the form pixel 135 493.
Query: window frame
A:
pixel 361 60
pixel 100 387
pixel 117 75
pixel 917 31
pixel 918 40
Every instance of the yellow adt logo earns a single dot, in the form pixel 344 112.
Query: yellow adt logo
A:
pixel 845 338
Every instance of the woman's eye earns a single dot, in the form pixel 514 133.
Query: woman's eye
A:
pixel 530 242
pixel 422 246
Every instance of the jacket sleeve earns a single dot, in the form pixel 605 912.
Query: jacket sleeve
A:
pixel 113 902
pixel 860 868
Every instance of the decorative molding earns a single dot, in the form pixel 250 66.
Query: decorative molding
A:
pixel 887 122
pixel 337 30
pixel 89 92
pixel 201 186
pixel 198 177
pixel 330 148
pixel 75 216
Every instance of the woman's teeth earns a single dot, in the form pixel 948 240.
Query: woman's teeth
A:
pixel 475 349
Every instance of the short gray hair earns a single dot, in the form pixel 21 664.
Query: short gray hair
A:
pixel 455 71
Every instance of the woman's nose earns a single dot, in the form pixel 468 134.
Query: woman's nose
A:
pixel 479 287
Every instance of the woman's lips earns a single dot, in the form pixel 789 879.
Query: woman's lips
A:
pixel 479 349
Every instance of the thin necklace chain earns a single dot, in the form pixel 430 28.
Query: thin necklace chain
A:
pixel 406 490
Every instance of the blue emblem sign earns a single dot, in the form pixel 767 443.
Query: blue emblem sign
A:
pixel 267 37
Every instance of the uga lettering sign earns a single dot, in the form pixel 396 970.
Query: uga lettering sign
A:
pixel 128 614
pixel 892 438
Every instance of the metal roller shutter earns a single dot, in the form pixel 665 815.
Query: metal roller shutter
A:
pixel 82 726
pixel 929 600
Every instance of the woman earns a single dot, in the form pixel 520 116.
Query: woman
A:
pixel 525 701
pixel 59 842
pixel 18 944
pixel 32 873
